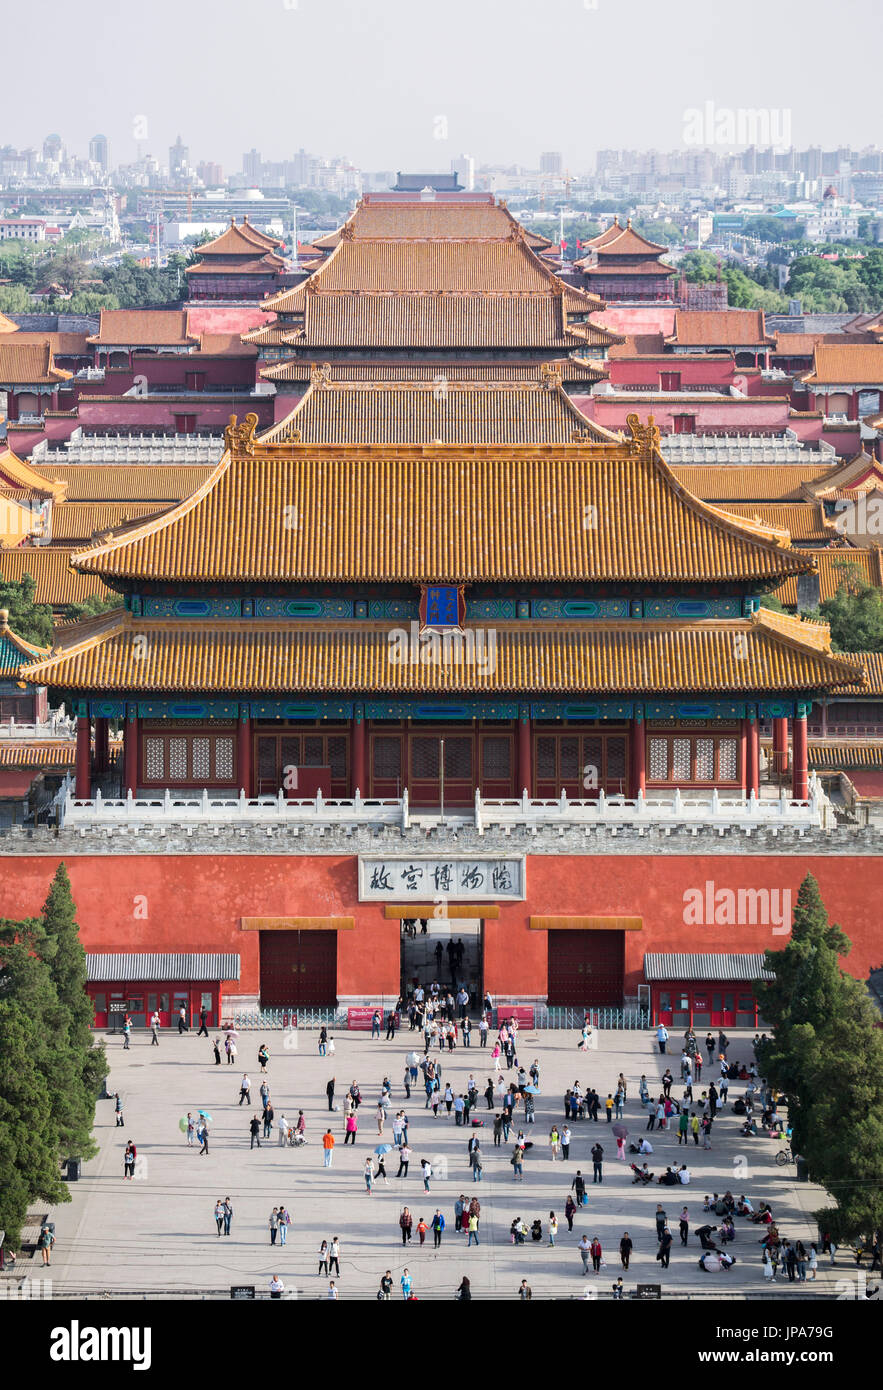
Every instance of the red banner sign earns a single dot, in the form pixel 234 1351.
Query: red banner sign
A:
pixel 521 1013
pixel 361 1018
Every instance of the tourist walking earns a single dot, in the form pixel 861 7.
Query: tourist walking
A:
pixel 274 1225
pixel 328 1146
pixel 406 1222
pixel 228 1215
pixel 625 1249
pixel 129 1157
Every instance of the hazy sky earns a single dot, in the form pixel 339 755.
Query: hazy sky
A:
pixel 370 79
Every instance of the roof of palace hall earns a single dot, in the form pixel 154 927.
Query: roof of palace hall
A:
pixel 403 219
pixel 422 289
pixel 765 651
pixel 450 512
pixel 15 651
pixel 435 412
pixel 29 364
pixel 570 369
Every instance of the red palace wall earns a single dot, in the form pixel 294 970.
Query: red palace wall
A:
pixel 195 903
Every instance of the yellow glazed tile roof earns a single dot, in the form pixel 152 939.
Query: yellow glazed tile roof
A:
pixel 586 658
pixel 49 567
pixel 146 482
pixel 380 513
pixel 763 482
pixel 833 566
pixel 803 521
pixel 841 365
pixel 434 411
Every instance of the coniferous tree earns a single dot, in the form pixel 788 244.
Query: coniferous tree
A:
pixel 29 1146
pixel 826 1055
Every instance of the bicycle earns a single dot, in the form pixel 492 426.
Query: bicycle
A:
pixel 784 1157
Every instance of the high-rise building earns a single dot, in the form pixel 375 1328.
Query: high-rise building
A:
pixel 52 149
pixel 551 162
pixel 98 151
pixel 210 174
pixel 251 165
pixel 179 159
pixel 464 167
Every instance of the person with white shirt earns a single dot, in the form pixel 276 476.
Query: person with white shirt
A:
pixel 645 1147
pixel 283 1131
pixel 276 1287
pixel 684 1174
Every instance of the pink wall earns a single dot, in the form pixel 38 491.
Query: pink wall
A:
pixel 645 371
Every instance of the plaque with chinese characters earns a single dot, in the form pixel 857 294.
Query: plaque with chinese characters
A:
pixel 460 878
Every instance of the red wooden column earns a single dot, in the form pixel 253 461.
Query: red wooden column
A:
pixel 130 751
pixel 780 744
pixel 244 750
pixel 359 780
pixel 102 747
pixel 83 786
pixel 639 755
pixel 743 755
pixel 525 769
pixel 752 770
pixel 799 775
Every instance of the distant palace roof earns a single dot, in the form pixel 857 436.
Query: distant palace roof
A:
pixel 429 275
pixel 15 651
pixel 602 512
pixel 49 567
pixel 773 652
pixel 846 364
pixel 435 411
pixel 570 369
pixel 28 364
pixel 732 327
pixel 144 328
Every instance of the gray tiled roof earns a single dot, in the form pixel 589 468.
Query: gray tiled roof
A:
pixel 704 965
pixel 123 965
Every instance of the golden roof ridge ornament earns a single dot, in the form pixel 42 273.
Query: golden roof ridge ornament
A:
pixel 239 439
pixel 552 376
pixel 647 437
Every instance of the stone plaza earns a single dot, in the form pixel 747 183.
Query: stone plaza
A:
pixel 156 1236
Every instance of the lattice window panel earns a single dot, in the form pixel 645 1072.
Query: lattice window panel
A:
pixel 616 758
pixel 658 759
pixel 223 759
pixel 201 759
pixel 728 759
pixel 568 755
pixel 425 758
pixel 314 753
pixel 290 752
pixel 546 757
pixel 178 759
pixel 592 770
pixel 387 758
pixel 496 759
pixel 154 760
pixel 705 760
pixel 266 760
pixel 458 758
pixel 337 757
pixel 680 759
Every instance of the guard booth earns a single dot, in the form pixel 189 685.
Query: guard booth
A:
pixel 705 989
pixel 120 983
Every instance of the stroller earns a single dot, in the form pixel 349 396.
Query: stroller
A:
pixel 295 1140
pixel 640 1175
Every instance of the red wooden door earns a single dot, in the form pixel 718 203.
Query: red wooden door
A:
pixel 586 968
pixel 298 968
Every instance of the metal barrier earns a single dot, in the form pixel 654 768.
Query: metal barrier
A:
pixel 268 1020
pixel 557 1017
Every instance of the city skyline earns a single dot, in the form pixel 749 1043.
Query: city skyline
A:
pixel 502 112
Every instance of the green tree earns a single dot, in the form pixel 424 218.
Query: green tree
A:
pixel 92 607
pixel 68 968
pixel 15 299
pixel 826 1054
pixel 855 613
pixel 29 1145
pixel 700 267
pixel 28 619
